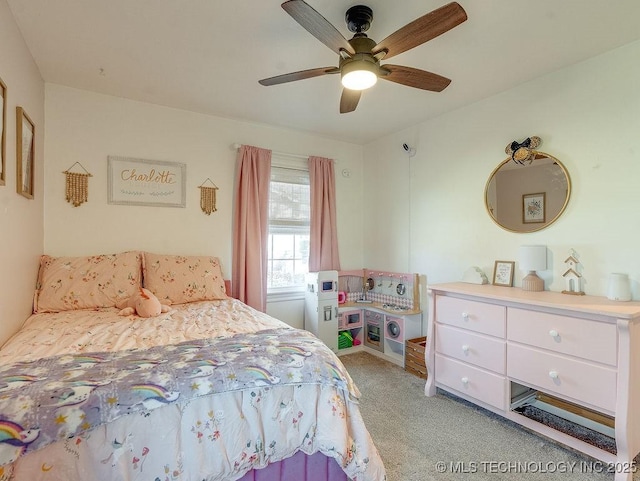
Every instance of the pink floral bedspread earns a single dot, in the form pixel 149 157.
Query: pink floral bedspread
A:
pixel 214 437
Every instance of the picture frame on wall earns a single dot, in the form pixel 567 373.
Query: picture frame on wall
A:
pixel 146 182
pixel 3 131
pixel 534 208
pixel 503 273
pixel 25 153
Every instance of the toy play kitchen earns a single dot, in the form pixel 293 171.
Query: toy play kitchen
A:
pixel 374 310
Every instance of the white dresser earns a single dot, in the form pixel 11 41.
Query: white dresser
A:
pixel 502 348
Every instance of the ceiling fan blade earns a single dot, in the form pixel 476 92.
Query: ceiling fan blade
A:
pixel 414 77
pixel 301 75
pixel 317 25
pixel 422 30
pixel 349 100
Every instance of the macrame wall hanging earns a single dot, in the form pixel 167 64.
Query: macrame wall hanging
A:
pixel 77 185
pixel 208 197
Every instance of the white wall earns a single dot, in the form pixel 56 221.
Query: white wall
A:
pixel 588 116
pixel 21 219
pixel 387 200
pixel 87 127
pixel 420 214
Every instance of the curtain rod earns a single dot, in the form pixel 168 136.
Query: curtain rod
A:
pixel 281 154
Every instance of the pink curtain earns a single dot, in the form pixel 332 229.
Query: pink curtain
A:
pixel 323 241
pixel 249 280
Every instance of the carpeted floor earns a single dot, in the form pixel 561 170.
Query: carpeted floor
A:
pixel 441 438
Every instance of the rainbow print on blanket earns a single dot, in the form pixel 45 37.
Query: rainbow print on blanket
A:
pixel 60 397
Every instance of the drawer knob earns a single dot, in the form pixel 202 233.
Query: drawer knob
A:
pixel 553 333
pixel 553 374
pixel 465 316
pixel 465 348
pixel 465 380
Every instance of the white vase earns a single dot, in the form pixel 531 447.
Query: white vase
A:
pixel 619 288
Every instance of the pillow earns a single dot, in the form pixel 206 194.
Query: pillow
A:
pixel 69 283
pixel 182 279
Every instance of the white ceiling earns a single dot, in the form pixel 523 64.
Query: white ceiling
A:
pixel 208 55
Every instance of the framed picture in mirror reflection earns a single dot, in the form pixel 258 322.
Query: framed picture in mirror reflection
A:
pixel 533 208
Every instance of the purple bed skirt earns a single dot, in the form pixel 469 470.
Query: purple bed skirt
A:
pixel 299 467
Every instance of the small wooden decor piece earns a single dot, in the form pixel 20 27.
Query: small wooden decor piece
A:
pixel 76 185
pixel 475 275
pixel 208 197
pixel 572 276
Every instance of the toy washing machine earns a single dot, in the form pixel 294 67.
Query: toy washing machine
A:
pixel 394 329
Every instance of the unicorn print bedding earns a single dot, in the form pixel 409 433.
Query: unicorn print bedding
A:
pixel 210 390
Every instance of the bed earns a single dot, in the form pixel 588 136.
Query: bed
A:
pixel 211 390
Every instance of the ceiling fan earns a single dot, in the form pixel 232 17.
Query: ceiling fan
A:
pixel 359 63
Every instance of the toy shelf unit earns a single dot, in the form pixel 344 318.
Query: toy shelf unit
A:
pixel 350 329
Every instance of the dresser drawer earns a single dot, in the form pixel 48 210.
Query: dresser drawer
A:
pixel 476 316
pixel 571 378
pixel 590 340
pixel 476 349
pixel 472 381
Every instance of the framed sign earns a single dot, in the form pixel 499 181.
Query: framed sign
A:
pixel 146 182
pixel 25 153
pixel 503 273
pixel 3 130
pixel 533 208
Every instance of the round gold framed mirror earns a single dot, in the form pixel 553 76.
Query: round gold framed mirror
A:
pixel 527 197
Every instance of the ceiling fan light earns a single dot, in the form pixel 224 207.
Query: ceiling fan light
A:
pixel 359 75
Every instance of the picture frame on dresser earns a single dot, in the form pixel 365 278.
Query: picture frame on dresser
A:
pixel 503 273
pixel 3 131
pixel 25 153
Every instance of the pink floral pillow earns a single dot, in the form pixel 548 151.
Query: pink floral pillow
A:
pixel 182 279
pixel 69 283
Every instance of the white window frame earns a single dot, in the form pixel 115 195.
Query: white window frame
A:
pixel 294 163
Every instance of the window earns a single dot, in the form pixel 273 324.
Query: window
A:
pixel 288 243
